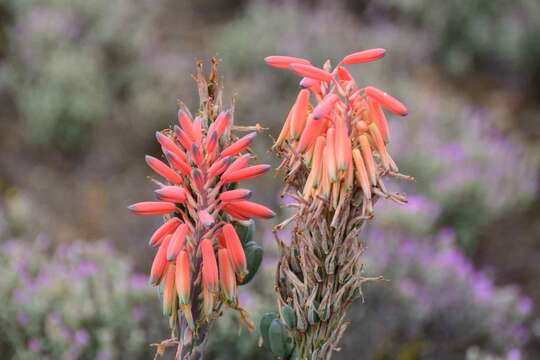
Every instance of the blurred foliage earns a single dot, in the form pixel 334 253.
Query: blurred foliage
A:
pixel 72 65
pixel 75 301
pixel 436 305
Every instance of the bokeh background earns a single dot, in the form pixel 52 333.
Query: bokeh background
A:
pixel 84 85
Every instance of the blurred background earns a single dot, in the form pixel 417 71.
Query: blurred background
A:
pixel 84 85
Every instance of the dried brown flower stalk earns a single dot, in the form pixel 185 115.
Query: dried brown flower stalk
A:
pixel 334 160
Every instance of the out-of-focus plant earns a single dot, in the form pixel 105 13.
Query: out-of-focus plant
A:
pixel 74 301
pixel 72 65
pixel 473 173
pixel 205 246
pixel 435 306
pixel 480 35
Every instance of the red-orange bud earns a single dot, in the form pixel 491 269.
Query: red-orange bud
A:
pixel 162 169
pixel 227 279
pixel 311 71
pixel 236 252
pixel 235 195
pixel 167 228
pixel 364 56
pixel 283 62
pixel 238 146
pixel 175 194
pixel 160 262
pixel 183 278
pixel 177 241
pixel 151 208
pixel 210 277
pixel 244 174
pixel 389 102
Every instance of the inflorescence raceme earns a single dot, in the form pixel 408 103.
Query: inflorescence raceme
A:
pixel 334 157
pixel 200 257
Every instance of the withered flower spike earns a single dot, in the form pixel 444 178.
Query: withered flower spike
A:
pixel 199 206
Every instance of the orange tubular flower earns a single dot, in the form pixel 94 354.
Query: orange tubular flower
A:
pixel 206 158
pixel 333 167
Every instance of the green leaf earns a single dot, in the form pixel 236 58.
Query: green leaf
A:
pixel 254 255
pixel 280 342
pixel 264 326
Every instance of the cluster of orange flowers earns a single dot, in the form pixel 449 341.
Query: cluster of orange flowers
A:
pixel 199 252
pixel 344 136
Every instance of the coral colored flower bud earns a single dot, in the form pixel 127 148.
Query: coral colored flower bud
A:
pixel 211 144
pixel 245 174
pixel 300 113
pixel 240 163
pixel 364 56
pixel 325 106
pixel 313 129
pixel 178 163
pixel 361 173
pixel 219 166
pixel 330 154
pixel 251 209
pixel 238 146
pixel 389 102
pixel 227 279
pixel 167 228
pixel 162 169
pixel 198 181
pixel 311 71
pixel 208 302
pixel 283 62
pixel 183 278
pixel 210 276
pixel 367 155
pixel 185 124
pixel 169 296
pixel 342 143
pixel 235 195
pixel 183 138
pixel 377 116
pixel 222 122
pixel 160 262
pixel 151 208
pixel 205 218
pixel 196 154
pixel 236 252
pixel 175 194
pixel 343 74
pixel 197 130
pixel 232 211
pixel 177 241
pixel 169 145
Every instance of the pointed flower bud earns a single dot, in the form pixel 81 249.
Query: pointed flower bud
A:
pixel 245 174
pixel 167 228
pixel 283 62
pixel 177 242
pixel 210 277
pixel 311 71
pixel 162 169
pixel 175 194
pixel 152 208
pixel 227 280
pixel 236 252
pixel 235 195
pixel 364 56
pixel 183 278
pixel 389 102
